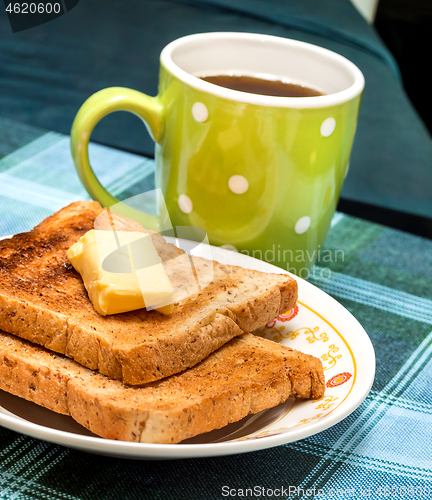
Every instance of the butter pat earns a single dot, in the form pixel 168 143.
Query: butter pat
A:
pixel 121 271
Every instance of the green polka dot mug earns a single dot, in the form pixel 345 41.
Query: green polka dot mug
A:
pixel 259 173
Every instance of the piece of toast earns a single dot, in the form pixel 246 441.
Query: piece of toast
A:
pixel 43 299
pixel 245 376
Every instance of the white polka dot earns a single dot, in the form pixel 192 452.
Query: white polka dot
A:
pixel 328 126
pixel 302 225
pixel 200 112
pixel 238 184
pixel 185 204
pixel 230 247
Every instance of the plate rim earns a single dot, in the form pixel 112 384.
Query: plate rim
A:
pixel 125 449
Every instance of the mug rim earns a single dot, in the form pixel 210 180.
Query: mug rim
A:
pixel 274 101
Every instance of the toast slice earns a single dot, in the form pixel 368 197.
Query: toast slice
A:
pixel 245 376
pixel 43 299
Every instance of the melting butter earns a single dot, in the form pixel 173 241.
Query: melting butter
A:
pixel 121 271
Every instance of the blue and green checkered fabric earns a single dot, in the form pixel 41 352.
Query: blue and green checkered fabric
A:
pixel 384 449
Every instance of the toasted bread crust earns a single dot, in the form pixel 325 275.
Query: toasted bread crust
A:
pixel 43 299
pixel 246 375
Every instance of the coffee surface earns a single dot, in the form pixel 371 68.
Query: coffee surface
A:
pixel 260 86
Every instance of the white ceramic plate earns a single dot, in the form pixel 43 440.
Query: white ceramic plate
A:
pixel 318 325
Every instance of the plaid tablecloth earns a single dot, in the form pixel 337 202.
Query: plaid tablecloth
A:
pixel 384 449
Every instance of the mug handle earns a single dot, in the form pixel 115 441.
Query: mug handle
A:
pixel 94 109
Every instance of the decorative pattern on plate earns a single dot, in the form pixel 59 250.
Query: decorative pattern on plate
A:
pixel 328 402
pixel 311 339
pixel 307 420
pixel 259 435
pixel 278 333
pixel 338 379
pixel 288 316
pixel 332 360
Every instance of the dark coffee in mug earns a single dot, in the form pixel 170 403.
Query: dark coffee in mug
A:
pixel 261 86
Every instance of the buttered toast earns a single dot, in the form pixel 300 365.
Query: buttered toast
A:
pixel 43 300
pixel 245 376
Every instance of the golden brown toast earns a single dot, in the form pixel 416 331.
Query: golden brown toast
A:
pixel 245 376
pixel 43 299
